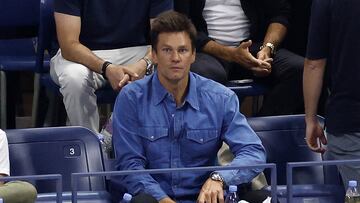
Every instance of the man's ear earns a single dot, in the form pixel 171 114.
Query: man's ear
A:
pixel 154 56
pixel 193 55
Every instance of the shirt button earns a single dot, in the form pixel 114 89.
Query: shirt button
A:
pixel 201 140
pixel 172 115
pixel 152 137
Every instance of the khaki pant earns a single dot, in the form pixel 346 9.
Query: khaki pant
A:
pixel 18 192
pixel 78 83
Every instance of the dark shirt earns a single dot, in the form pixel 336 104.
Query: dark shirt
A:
pixel 260 13
pixel 334 35
pixel 113 24
pixel 151 132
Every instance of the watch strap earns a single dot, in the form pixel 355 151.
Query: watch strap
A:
pixel 271 46
pixel 104 67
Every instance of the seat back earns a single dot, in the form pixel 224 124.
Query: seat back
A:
pixel 47 41
pixel 283 139
pixel 19 18
pixel 60 150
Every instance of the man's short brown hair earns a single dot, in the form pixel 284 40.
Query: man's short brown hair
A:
pixel 172 21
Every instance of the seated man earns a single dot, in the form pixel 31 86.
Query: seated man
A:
pixel 99 40
pixel 15 191
pixel 239 39
pixel 176 119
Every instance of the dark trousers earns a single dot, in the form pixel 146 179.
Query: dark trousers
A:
pixel 284 95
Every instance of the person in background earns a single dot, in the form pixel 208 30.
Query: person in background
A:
pixel 14 191
pixel 175 119
pixel 100 41
pixel 240 39
pixel 332 54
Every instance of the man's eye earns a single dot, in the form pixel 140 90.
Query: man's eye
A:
pixel 183 50
pixel 167 50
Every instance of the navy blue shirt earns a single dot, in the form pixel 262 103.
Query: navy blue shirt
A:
pixel 113 24
pixel 334 34
pixel 151 132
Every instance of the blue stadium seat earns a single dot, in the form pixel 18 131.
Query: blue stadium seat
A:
pixel 247 87
pixel 61 150
pixel 283 139
pixel 19 21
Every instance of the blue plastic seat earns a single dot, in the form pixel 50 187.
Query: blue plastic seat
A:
pixel 19 21
pixel 283 139
pixel 60 150
pixel 248 87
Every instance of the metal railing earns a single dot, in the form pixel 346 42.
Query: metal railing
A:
pixel 271 166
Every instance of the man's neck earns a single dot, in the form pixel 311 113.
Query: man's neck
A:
pixel 177 89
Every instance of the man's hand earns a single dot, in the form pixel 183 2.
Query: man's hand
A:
pixel 119 76
pixel 211 192
pixel 139 68
pixel 265 69
pixel 242 56
pixel 166 200
pixel 315 136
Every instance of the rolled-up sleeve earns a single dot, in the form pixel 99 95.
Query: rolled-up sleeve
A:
pixel 319 29
pixel 129 150
pixel 278 11
pixel 243 142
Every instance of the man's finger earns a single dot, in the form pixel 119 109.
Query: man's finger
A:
pixel 220 196
pixel 269 60
pixel 124 80
pixel 245 44
pixel 130 73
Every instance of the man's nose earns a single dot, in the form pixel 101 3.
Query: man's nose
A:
pixel 175 56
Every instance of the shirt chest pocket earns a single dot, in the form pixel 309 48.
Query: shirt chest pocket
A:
pixel 153 134
pixel 201 143
pixel 155 143
pixel 202 136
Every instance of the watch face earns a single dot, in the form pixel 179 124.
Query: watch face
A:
pixel 216 176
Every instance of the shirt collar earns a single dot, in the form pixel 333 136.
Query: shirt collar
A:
pixel 160 92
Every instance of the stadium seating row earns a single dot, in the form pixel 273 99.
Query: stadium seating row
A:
pixel 69 150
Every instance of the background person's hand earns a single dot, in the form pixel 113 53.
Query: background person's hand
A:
pixel 263 70
pixel 242 56
pixel 315 136
pixel 118 76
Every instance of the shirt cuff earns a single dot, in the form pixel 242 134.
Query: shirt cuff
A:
pixel 155 191
pixel 235 177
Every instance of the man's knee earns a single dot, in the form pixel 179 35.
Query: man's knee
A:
pixel 18 192
pixel 288 66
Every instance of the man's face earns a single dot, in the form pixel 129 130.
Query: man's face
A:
pixel 174 55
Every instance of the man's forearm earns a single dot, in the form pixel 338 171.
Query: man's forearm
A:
pixel 275 34
pixel 312 85
pixel 218 50
pixel 78 53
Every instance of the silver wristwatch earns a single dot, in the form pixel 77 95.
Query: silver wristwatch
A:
pixel 271 46
pixel 216 177
pixel 149 66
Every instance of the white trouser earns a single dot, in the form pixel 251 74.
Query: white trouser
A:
pixel 78 83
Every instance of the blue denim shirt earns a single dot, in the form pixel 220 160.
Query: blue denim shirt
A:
pixel 151 132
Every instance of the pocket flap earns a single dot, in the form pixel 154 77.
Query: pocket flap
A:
pixel 202 135
pixel 153 133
